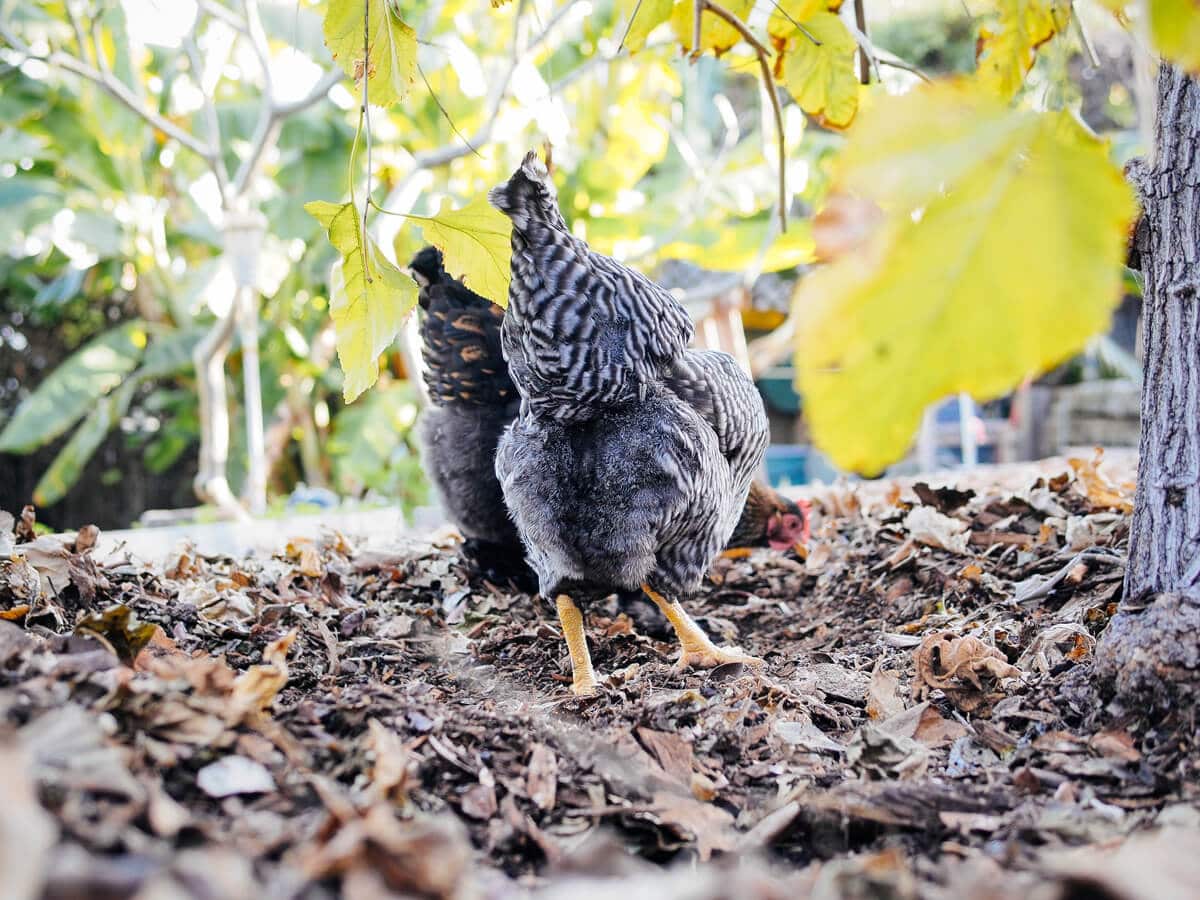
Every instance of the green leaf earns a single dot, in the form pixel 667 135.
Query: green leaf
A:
pixel 392 63
pixel 476 243
pixel 369 297
pixel 716 34
pixel 68 465
pixel 1008 46
pixel 1000 255
pixel 73 388
pixel 822 78
pixel 644 17
pixel 1175 30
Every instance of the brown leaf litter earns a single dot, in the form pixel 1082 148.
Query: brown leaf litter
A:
pixel 328 723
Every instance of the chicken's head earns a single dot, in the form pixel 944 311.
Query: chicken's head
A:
pixel 788 525
pixel 528 196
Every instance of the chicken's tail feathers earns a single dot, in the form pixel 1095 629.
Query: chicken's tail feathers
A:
pixel 427 269
pixel 528 195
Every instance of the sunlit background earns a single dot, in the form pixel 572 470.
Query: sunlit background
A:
pixel 115 267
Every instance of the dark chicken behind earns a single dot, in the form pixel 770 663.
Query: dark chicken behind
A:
pixel 631 457
pixel 473 399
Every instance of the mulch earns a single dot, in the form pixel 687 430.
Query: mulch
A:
pixel 335 722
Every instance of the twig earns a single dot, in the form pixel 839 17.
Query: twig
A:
pixel 629 25
pixel 864 64
pixel 445 113
pixel 366 111
pixel 897 63
pixel 1088 48
pixel 113 86
pixel 211 120
pixel 764 63
pixel 1043 589
pixel 697 12
pixel 799 26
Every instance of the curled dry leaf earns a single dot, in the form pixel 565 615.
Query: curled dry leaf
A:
pixel 1100 490
pixel 541 780
pixel 235 774
pixel 118 627
pixel 965 668
pixel 928 526
pixel 307 559
pixel 255 689
pixel 394 767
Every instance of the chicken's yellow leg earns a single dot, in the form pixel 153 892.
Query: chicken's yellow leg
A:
pixel 582 674
pixel 698 650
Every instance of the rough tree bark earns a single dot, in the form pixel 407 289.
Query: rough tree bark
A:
pixel 1152 647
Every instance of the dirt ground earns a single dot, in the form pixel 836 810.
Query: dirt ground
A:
pixel 333 723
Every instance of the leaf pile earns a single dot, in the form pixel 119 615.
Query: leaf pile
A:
pixel 335 722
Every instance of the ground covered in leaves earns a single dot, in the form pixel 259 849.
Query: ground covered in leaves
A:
pixel 331 722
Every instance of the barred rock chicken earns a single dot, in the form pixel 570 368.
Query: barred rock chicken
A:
pixel 473 399
pixel 630 460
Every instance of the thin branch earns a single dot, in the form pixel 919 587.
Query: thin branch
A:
pixel 211 121
pixel 324 85
pixel 258 42
pixel 864 64
pixel 223 13
pixel 768 76
pixel 445 113
pixel 366 111
pixel 866 49
pixel 1085 40
pixel 797 25
pixel 629 25
pixel 697 28
pixel 897 63
pixel 113 86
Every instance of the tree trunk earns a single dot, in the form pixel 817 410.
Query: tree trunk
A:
pixel 1153 645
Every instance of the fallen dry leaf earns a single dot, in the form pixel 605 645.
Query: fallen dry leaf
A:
pixel 120 629
pixel 255 689
pixel 883 695
pixel 928 526
pixel 234 774
pixel 964 668
pixel 394 767
pixel 1100 490
pixel 541 780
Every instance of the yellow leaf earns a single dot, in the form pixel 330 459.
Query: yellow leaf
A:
pixel 1000 256
pixel 644 17
pixel 476 244
pixel 1007 47
pixel 1175 30
pixel 368 305
pixel 716 34
pixel 392 64
pixel 822 78
pixel 787 14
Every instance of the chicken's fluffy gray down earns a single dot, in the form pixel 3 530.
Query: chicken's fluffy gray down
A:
pixel 631 456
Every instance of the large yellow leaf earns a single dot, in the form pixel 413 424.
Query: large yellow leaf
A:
pixel 392 64
pixel 716 34
pixel 1007 47
pixel 821 77
pixel 1001 255
pixel 644 17
pixel 368 296
pixel 739 246
pixel 1175 30
pixel 476 245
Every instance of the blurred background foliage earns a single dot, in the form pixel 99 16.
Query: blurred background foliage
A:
pixel 111 265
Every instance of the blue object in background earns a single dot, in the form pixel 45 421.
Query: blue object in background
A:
pixel 787 464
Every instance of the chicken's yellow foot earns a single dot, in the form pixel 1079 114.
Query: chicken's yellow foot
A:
pixel 698 650
pixel 735 553
pixel 582 674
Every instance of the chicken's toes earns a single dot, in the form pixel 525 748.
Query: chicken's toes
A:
pixel 585 688
pixel 711 657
